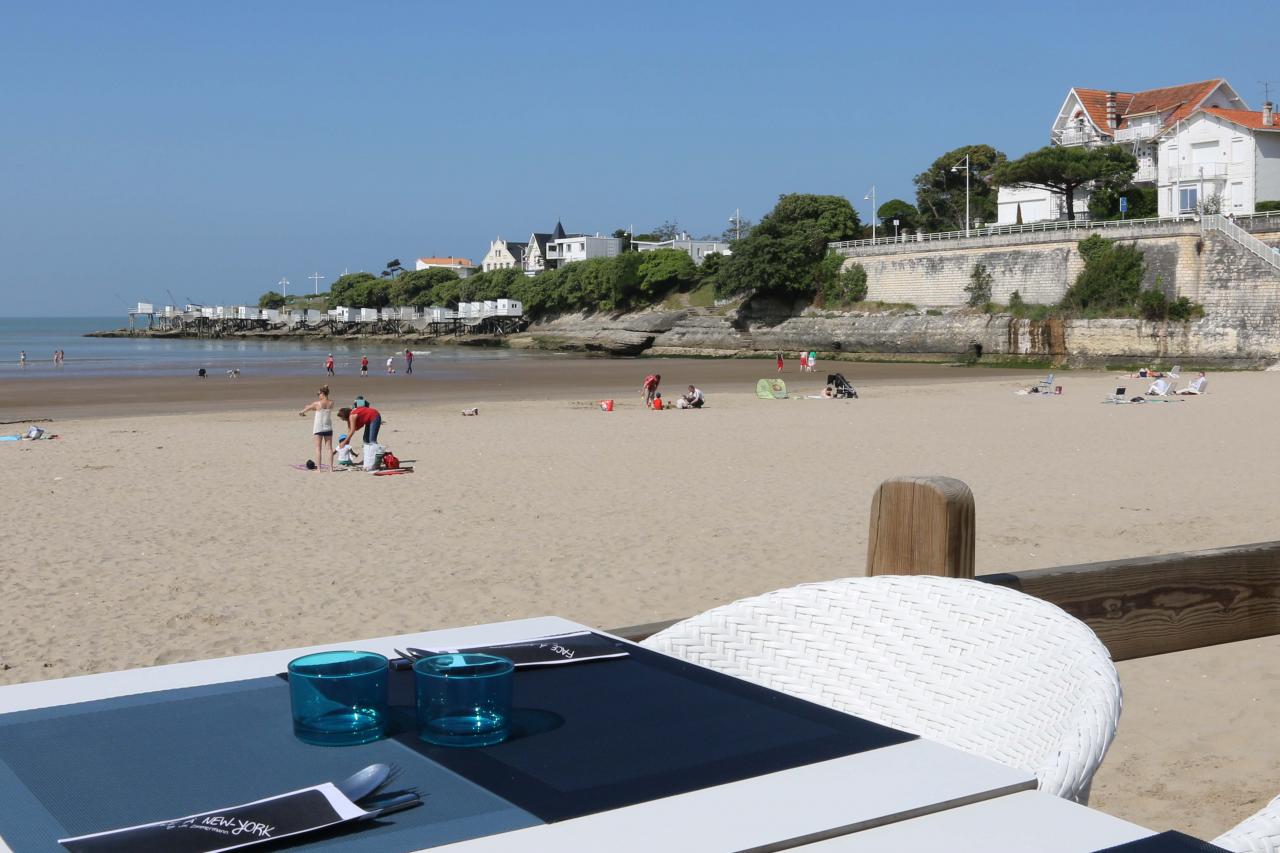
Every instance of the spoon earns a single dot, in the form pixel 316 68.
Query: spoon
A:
pixel 364 782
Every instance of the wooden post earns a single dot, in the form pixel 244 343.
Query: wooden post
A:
pixel 921 526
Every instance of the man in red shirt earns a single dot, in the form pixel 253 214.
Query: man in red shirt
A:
pixel 364 365
pixel 408 361
pixel 328 364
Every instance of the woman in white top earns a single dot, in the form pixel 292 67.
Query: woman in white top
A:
pixel 322 427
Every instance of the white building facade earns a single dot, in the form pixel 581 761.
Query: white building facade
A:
pixel 581 247
pixel 503 255
pixel 1220 161
pixel 1097 117
pixel 696 249
pixel 462 266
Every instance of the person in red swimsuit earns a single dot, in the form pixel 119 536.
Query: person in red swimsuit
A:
pixel 361 416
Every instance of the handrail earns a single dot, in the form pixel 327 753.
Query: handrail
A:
pixel 993 230
pixel 1267 253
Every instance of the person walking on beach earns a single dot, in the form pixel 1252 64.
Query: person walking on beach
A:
pixel 408 361
pixel 22 358
pixel 780 362
pixel 322 426
pixel 813 361
pixel 328 364
pixel 391 365
pixel 362 416
pixel 364 365
pixel 650 388
pixel 804 362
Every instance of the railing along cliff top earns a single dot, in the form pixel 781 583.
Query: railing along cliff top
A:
pixel 1138 607
pixel 1269 219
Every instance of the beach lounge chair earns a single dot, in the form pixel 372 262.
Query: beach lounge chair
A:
pixel 1258 833
pixel 1160 387
pixel 1199 385
pixel 1045 386
pixel 976 666
pixel 1174 372
pixel 1117 397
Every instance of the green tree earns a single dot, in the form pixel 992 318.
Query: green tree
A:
pixel 271 299
pixel 623 235
pixel 940 196
pixel 416 287
pixel 1104 202
pixel 846 286
pixel 904 212
pixel 665 270
pixel 1267 206
pixel 1064 169
pixel 785 252
pixel 979 286
pixel 343 290
pixel 1111 279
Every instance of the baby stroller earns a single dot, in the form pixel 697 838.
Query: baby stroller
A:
pixel 841 386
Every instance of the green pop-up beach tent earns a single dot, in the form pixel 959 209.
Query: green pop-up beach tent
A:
pixel 771 389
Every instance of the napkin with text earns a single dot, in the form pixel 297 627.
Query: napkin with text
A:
pixel 573 647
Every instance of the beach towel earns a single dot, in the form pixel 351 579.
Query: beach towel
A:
pixel 771 389
pixel 10 438
pixel 392 471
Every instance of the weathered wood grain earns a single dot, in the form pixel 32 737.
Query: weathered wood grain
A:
pixel 921 526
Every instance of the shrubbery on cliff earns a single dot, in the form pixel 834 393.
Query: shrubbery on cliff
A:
pixel 1110 285
pixel 630 280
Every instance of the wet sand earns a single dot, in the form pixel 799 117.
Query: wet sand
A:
pixel 546 378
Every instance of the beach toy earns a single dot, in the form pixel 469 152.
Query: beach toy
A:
pixel 606 405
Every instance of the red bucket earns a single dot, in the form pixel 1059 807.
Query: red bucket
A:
pixel 606 405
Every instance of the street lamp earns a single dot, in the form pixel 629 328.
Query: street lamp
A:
pixel 872 195
pixel 284 286
pixel 956 168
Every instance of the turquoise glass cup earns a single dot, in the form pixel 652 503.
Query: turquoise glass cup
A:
pixel 339 698
pixel 464 699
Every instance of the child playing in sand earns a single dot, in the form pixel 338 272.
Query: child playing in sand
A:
pixel 344 452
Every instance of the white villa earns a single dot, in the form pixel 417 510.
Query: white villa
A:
pixel 503 255
pixel 696 249
pixel 1193 142
pixel 535 252
pixel 462 266
pixel 580 247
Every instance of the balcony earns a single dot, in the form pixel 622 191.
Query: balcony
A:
pixel 1073 136
pixel 1147 173
pixel 1134 134
pixel 1196 172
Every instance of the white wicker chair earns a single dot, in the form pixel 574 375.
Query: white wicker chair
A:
pixel 1259 833
pixel 983 668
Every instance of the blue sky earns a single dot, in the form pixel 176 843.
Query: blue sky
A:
pixel 213 148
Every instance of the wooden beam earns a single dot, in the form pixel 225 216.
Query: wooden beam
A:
pixel 1150 605
pixel 921 526
pixel 1168 603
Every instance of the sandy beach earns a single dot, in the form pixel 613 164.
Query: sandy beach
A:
pixel 169 523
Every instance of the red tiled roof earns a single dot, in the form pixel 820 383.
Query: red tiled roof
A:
pixel 460 262
pixel 1180 99
pixel 1246 118
pixel 1095 104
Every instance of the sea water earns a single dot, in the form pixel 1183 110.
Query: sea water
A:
pixel 40 336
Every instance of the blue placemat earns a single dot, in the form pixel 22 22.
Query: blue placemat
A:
pixel 100 765
pixel 1165 842
pixel 611 733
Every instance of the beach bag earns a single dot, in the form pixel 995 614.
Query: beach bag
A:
pixel 371 453
pixel 389 460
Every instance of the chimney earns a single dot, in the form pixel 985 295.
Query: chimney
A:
pixel 1268 116
pixel 1113 120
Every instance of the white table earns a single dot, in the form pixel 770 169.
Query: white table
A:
pixel 1029 820
pixel 846 794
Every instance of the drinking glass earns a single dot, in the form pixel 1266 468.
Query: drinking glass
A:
pixel 339 698
pixel 464 699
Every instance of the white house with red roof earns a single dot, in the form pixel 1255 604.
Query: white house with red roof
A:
pixel 1219 160
pixel 462 266
pixel 1151 122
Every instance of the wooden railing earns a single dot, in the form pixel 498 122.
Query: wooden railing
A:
pixel 1137 607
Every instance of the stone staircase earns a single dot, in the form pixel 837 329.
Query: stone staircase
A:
pixel 1241 237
